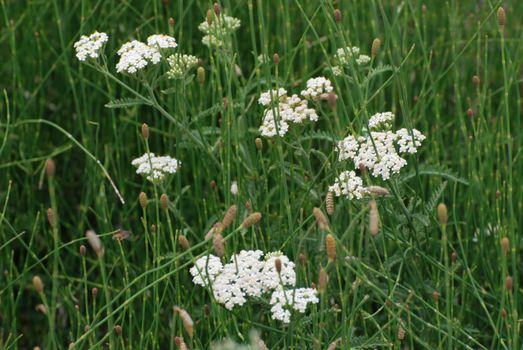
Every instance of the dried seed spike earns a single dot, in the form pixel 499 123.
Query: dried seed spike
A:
pixel 476 80
pixel 38 284
pixel 164 200
pixel 51 217
pixel 502 19
pixel 171 22
pixel 505 245
pixel 95 242
pixel 302 259
pixel 200 75
pixel 83 250
pixel 376 44
pixel 94 292
pixel 142 198
pixel 186 320
pixel 229 216
pixel 87 328
pixel 454 257
pixel 259 144
pixel 442 214
pixel 401 332
pixel 377 190
pixel 508 283
pixel 329 203
pixel 118 329
pixel 209 17
pixel 435 296
pixel 184 243
pixel 330 244
pixel 216 8
pixel 250 220
pixel 321 219
pixel 337 16
pixel 323 280
pixel 219 248
pixel 145 131
pixel 277 265
pixel 374 225
pixel 50 168
pixel 276 59
pixel 180 343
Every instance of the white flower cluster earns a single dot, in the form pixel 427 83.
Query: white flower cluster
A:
pixel 247 275
pixel 162 41
pixel 180 64
pixel 378 152
pixel 155 168
pixel 282 109
pixel 345 55
pixel 317 88
pixel 135 55
pixel 90 46
pixel 220 27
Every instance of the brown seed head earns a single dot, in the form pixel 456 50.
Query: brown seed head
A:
pixel 209 17
pixel 435 296
pixel 302 259
pixel 470 112
pixel 95 242
pixel 145 131
pixel 505 245
pixel 476 80
pixel 50 168
pixel 376 44
pixel 83 250
pixel 502 19
pixel 329 203
pixel 277 265
pixel 401 332
pixel 51 217
pixel 171 22
pixel 212 184
pixel 259 144
pixel 252 219
pixel 454 257
pixel 216 8
pixel 321 219
pixel 180 343
pixel 164 200
pixel 118 330
pixel 94 292
pixel 41 308
pixel 377 190
pixel 334 344
pixel 153 228
pixel 323 280
pixel 38 284
pixel 142 198
pixel 276 59
pixel 184 243
pixel 442 214
pixel 508 283
pixel 217 242
pixel 200 75
pixel 332 100
pixel 330 245
pixel 229 216
pixel 337 16
pixel 374 225
pixel 503 313
pixel 186 320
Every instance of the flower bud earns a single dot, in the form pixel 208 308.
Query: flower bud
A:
pixel 259 144
pixel 323 280
pixel 321 220
pixel 277 265
pixel 94 292
pixel 476 80
pixel 216 8
pixel 329 203
pixel 337 16
pixel 276 59
pixel 200 75
pixel 145 131
pixel 95 242
pixel 38 284
pixel 502 19
pixel 83 250
pixel 442 214
pixel 164 200
pixel 142 198
pixel 50 168
pixel 118 330
pixel 376 44
pixel 209 17
pixel 184 243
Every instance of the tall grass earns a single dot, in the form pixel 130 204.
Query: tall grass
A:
pixel 446 68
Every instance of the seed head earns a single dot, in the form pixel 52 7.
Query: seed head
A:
pixel 94 292
pixel 374 225
pixel 87 328
pixel 329 203
pixel 321 219
pixel 435 296
pixel 164 200
pixel 216 8
pixel 229 216
pixel 334 344
pixel 209 17
pixel 212 184
pixel 51 217
pixel 200 75
pixel 276 59
pixel 330 245
pixel 171 22
pixel 376 44
pixel 41 308
pixel 454 257
pixel 503 313
pixel 277 265
pixel 259 144
pixel 184 243
pixel 38 284
pixel 337 16
pixel 145 131
pixel 401 332
pixel 508 284
pixel 302 259
pixel 219 248
pixel 476 80
pixel 502 19
pixel 505 245
pixel 377 190
pixel 180 343
pixel 442 214
pixel 95 242
pixel 332 100
pixel 50 168
pixel 142 198
pixel 83 250
pixel 118 330
pixel 186 320
pixel 252 219
pixel 323 280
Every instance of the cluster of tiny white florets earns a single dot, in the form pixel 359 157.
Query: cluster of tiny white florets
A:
pixel 180 65
pixel 317 88
pixel 247 275
pixel 162 41
pixel 135 55
pixel 345 55
pixel 155 168
pixel 220 28
pixel 282 109
pixel 378 152
pixel 90 46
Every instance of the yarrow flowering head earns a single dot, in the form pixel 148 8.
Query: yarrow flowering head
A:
pixel 90 46
pixel 180 65
pixel 155 168
pixel 345 55
pixel 135 55
pixel 217 28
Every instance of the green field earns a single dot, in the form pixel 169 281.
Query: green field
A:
pixel 287 212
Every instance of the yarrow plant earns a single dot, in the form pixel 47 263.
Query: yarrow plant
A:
pixel 345 55
pixel 218 30
pixel 246 275
pixel 180 65
pixel 90 46
pixel 378 151
pixel 155 168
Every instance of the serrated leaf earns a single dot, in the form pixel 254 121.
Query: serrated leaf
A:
pixel 126 102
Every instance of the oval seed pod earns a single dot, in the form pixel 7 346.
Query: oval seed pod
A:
pixel 374 225
pixel 252 219
pixel 329 203
pixel 502 19
pixel 376 44
pixel 142 198
pixel 259 143
pixel 186 320
pixel 38 284
pixel 95 242
pixel 330 245
pixel 184 243
pixel 145 131
pixel 164 200
pixel 442 214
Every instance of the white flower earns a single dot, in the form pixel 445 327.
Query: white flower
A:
pixel 221 26
pixel 269 127
pixel 206 269
pixel 348 184
pixel 90 46
pixel 296 110
pixel 381 120
pixel 135 56
pixel 362 60
pixel 234 188
pixel 155 168
pixel 347 148
pixel 345 55
pixel 316 87
pixel 180 65
pixel 296 299
pixel 266 98
pixel 227 289
pixel 271 278
pixel 248 271
pixel 337 70
pixel 408 142
pixel 162 41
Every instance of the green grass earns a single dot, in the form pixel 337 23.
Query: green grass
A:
pixel 54 107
